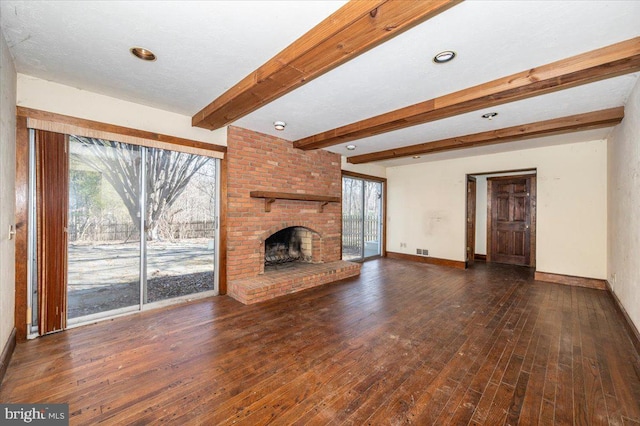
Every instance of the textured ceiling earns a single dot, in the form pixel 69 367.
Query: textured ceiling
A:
pixel 204 48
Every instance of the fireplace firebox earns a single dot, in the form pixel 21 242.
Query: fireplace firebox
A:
pixel 292 244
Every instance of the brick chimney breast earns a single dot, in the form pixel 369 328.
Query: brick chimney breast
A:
pixel 260 162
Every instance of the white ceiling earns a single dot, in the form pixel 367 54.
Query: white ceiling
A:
pixel 205 47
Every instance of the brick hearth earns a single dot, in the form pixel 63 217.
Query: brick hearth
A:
pixel 285 281
pixel 259 162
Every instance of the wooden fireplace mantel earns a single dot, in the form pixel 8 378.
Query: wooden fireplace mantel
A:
pixel 271 197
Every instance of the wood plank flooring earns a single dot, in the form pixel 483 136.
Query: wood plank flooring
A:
pixel 404 343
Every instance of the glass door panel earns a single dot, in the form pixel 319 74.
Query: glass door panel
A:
pixel 352 223
pixel 103 227
pixel 180 211
pixel 372 218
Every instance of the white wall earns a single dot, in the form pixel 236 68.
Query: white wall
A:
pixel 7 190
pixel 624 208
pixel 427 205
pixel 53 97
pixel 366 169
pixel 481 215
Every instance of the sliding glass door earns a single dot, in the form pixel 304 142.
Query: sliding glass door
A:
pixel 141 227
pixel 361 218
pixel 180 237
pixel 103 227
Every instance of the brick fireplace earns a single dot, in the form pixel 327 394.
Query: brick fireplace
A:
pixel 262 163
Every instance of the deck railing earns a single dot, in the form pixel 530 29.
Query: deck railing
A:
pixel 352 229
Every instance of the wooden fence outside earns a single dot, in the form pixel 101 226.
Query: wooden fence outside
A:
pixel 352 228
pixel 128 231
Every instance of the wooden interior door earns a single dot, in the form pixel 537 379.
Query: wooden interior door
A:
pixel 52 171
pixel 510 220
pixel 471 219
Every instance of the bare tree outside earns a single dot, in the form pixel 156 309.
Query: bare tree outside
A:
pixel 168 173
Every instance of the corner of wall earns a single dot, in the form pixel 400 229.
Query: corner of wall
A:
pixel 8 79
pixel 623 208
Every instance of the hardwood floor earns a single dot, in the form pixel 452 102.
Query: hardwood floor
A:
pixel 403 343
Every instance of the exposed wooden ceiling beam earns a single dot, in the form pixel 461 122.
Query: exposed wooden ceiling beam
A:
pixel 611 61
pixel 587 121
pixel 353 29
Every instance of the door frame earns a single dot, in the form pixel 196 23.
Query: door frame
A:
pixel 533 172
pixel 532 209
pixel 470 221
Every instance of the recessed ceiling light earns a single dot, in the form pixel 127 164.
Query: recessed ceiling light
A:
pixel 279 125
pixel 444 56
pixel 351 147
pixel 489 115
pixel 142 53
pixel 416 156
